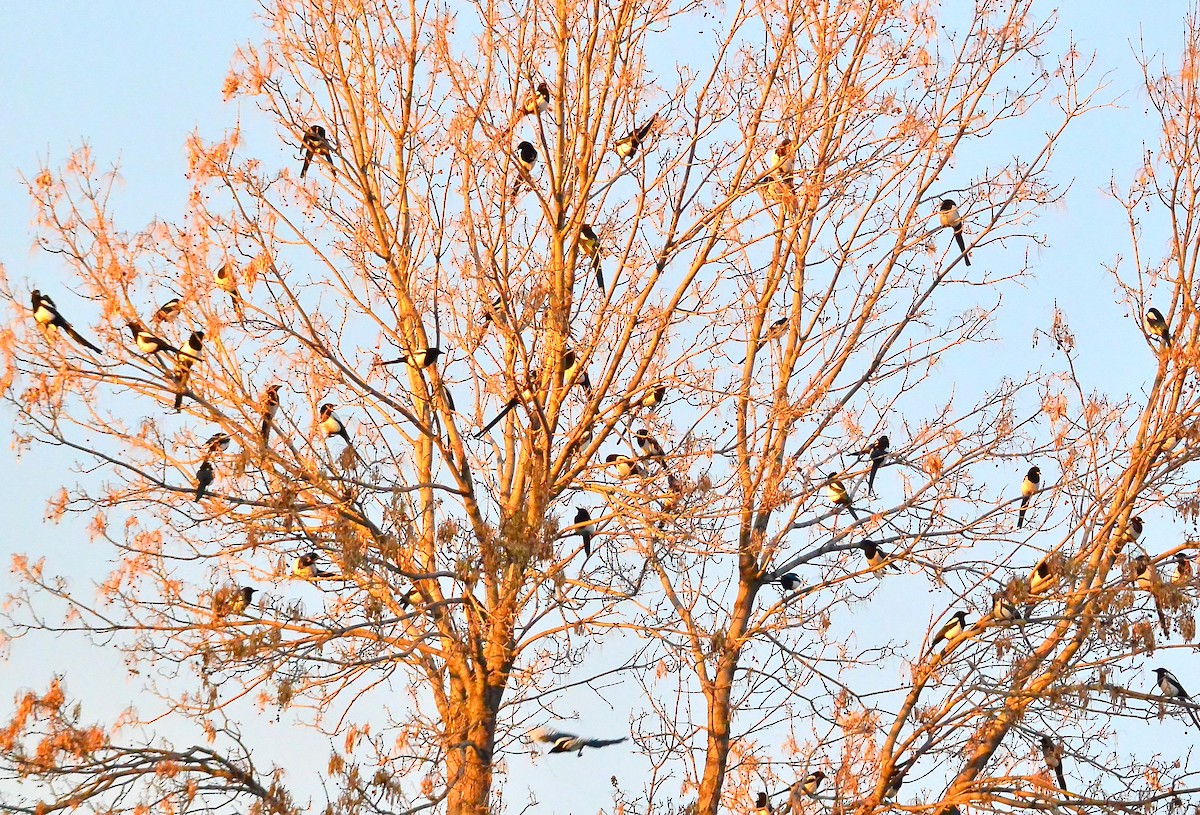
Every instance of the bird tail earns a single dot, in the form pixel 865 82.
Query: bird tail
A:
pixel 512 403
pixel 266 431
pixel 307 161
pixel 1062 778
pixel 1021 514
pixel 853 514
pixel 962 245
pixel 200 490
pixel 600 274
pixel 79 338
pixel 179 399
pixel 871 478
pixel 237 304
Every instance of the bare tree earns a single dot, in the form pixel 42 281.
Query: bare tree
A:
pixel 464 369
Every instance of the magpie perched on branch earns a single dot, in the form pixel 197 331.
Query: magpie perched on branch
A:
pixel 146 342
pixel 878 452
pixel 305 567
pixel 790 581
pixel 877 559
pixel 232 600
pixel 586 529
pixel 46 314
pixel 625 466
pixel 417 359
pixel 1004 611
pixel 315 142
pixel 762 804
pixel 1156 326
pixel 1053 754
pixel 189 355
pixel 1183 568
pixel 836 491
pixel 951 631
pixel 167 311
pixel 537 102
pixel 217 443
pixel 269 410
pixel 774 331
pixel 204 477
pixel 1029 486
pixel 590 244
pixel 1171 689
pixel 527 156
pixel 949 217
pixel 653 397
pixel 570 365
pixel 782 162
pixel 331 425
pixel 568 742
pixel 225 277
pixel 627 147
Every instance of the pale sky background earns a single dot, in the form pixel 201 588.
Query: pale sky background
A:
pixel 134 79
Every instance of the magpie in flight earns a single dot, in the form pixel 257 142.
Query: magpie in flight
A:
pixel 951 631
pixel 835 490
pixel 590 244
pixel 148 343
pixel 537 102
pixel 316 143
pixel 625 466
pixel 230 600
pixel 567 742
pixel 762 805
pixel 167 311
pixel 586 529
pixel 204 477
pixel 790 581
pixel 305 567
pixel 877 559
pixel 45 314
pixel 1052 753
pixel 270 409
pixel 1029 486
pixel 628 146
pixel 226 282
pixel 878 451
pixel 1156 326
pixel 948 215
pixel 332 425
pixel 419 359
pixel 1170 687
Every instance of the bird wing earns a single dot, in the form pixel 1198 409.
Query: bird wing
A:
pixel 548 735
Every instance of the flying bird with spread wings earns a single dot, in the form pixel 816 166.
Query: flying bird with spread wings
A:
pixel 568 742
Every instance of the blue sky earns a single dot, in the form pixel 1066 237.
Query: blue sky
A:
pixel 134 79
